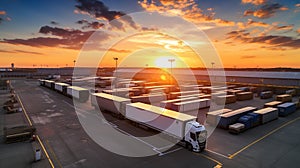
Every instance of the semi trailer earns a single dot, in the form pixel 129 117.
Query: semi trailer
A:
pixel 61 87
pixel 184 128
pixel 78 93
pixel 110 103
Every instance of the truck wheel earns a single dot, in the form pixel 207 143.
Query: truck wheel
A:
pixel 189 146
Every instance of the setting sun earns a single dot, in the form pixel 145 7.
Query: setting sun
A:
pixel 163 77
pixel 165 62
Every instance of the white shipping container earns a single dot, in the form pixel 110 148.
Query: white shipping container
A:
pixel 59 86
pixel 161 119
pixel 213 116
pixel 267 114
pixel 191 95
pixel 191 105
pixel 79 93
pixel 108 102
pixel 168 103
pixel 48 83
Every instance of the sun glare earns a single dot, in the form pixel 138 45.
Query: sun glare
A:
pixel 164 62
pixel 163 77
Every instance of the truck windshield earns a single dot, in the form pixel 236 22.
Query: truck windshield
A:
pixel 202 136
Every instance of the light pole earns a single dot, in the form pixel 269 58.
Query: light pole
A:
pixel 74 63
pixel 212 68
pixel 171 60
pixel 116 59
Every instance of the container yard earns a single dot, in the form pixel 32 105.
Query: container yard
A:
pixel 149 84
pixel 244 118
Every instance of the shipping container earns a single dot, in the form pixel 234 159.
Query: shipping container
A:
pixel 205 96
pixel 233 91
pixel 168 103
pixel 110 103
pixel 256 119
pixel 220 93
pixel 136 91
pixel 284 98
pixel 49 84
pixel 286 109
pixel 190 87
pixel 153 99
pixel 231 86
pixel 213 117
pixel 246 120
pixel 42 82
pixel 291 92
pixel 191 105
pixel 156 90
pixel 101 84
pixel 266 94
pixel 61 87
pixel 122 92
pixel 226 99
pixel 253 89
pixel 244 96
pixel 273 104
pixel 244 89
pixel 78 93
pixel 231 117
pixel 218 89
pixel 267 114
pixel 206 89
pixel 138 82
pixel 236 128
pixel 191 95
pixel 146 84
pixel 174 95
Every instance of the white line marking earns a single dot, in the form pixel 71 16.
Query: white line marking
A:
pixel 161 154
pixel 168 146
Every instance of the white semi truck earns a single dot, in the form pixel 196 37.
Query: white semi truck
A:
pixel 187 131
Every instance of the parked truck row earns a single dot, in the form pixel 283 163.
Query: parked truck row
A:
pixel 76 92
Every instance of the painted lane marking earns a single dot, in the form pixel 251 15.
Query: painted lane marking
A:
pixel 165 153
pixel 219 164
pixel 263 137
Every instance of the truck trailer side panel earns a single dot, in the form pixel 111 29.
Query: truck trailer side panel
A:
pixel 168 121
pixel 111 103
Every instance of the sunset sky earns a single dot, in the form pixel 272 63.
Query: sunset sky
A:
pixel 241 33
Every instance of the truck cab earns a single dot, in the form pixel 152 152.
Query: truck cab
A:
pixel 195 136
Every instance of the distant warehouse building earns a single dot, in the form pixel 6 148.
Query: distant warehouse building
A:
pixel 253 77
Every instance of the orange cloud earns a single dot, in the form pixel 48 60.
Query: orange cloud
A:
pixel 188 9
pixel 2 13
pixel 266 11
pixel 252 23
pixel 255 2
